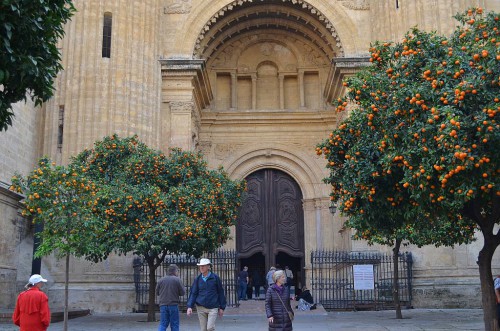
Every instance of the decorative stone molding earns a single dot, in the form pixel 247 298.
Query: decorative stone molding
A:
pixel 192 71
pixel 181 106
pixel 341 68
pixel 177 7
pixel 303 5
pixel 355 4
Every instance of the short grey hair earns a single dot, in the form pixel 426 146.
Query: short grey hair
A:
pixel 278 274
pixel 173 269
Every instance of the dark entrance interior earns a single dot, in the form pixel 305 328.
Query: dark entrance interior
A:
pixel 294 264
pixel 256 271
pixel 270 228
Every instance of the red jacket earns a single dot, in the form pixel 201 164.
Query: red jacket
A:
pixel 32 310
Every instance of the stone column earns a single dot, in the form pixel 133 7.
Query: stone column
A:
pixel 310 226
pixel 254 91
pixel 301 89
pixel 319 236
pixel 234 91
pixel 281 78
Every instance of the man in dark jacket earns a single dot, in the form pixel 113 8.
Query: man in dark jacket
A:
pixel 168 290
pixel 208 296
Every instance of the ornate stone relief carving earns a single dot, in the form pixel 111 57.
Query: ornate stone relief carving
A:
pixel 356 4
pixel 181 106
pixel 177 7
pixel 310 56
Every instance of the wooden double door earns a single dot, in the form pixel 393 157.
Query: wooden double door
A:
pixel 270 229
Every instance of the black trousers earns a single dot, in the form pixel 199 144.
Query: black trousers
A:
pixel 498 313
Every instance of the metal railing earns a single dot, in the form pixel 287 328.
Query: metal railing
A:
pixel 223 264
pixel 332 280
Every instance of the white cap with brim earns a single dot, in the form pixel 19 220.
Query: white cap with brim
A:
pixel 35 279
pixel 204 262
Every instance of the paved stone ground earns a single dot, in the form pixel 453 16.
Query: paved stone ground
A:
pixel 250 317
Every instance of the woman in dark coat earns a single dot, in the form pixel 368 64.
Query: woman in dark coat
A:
pixel 278 304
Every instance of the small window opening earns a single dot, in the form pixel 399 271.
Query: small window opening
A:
pixel 106 35
pixel 60 130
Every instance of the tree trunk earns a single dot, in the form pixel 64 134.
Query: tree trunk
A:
pixel 486 215
pixel 395 283
pixel 487 289
pixel 152 289
pixel 66 292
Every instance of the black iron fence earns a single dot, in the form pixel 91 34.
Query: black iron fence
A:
pixel 334 275
pixel 223 264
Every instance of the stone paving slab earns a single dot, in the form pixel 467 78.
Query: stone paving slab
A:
pixel 413 320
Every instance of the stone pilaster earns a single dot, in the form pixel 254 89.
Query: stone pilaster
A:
pixel 186 92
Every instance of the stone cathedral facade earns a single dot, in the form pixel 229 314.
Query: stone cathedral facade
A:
pixel 247 82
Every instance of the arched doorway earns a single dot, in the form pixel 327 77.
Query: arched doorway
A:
pixel 270 230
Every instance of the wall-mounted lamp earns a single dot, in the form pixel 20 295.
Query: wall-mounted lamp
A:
pixel 333 208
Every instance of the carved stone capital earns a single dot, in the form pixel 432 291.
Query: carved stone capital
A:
pixel 181 106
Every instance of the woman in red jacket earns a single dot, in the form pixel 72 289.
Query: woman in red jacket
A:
pixel 32 308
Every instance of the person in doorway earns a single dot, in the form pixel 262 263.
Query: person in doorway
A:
pixel 257 282
pixel 305 300
pixel 32 311
pixel 289 277
pixel 208 295
pixel 243 283
pixel 250 288
pixel 278 310
pixel 168 290
pixel 269 276
pixel 497 294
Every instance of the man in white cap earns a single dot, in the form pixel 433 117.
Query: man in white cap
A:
pixel 208 295
pixel 32 311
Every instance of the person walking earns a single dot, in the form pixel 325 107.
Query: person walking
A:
pixel 32 312
pixel 278 309
pixel 168 290
pixel 243 283
pixel 207 294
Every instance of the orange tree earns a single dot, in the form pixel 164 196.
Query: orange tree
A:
pixel 59 198
pixel 423 141
pixel 153 204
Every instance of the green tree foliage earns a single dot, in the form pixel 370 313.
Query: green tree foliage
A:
pixel 29 57
pixel 60 198
pixel 153 204
pixel 423 143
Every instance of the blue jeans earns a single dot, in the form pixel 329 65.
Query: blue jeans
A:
pixel 242 291
pixel 169 315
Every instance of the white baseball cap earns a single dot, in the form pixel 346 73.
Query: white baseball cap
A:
pixel 204 262
pixel 36 278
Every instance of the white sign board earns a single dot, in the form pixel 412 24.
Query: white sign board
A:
pixel 363 277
